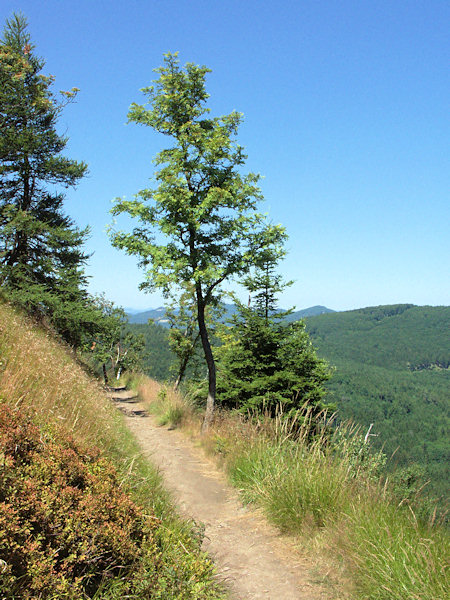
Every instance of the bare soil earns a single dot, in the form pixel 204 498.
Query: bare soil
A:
pixel 253 559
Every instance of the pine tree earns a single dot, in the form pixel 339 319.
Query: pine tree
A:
pixel 266 364
pixel 41 255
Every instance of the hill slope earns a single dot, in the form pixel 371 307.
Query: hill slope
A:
pixel 392 370
pixel 76 521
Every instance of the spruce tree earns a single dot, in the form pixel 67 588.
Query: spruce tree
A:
pixel 266 364
pixel 41 255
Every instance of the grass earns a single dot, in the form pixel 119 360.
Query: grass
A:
pixel 41 376
pixel 328 494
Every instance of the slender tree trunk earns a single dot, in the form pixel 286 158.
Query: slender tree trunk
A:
pixel 181 372
pixel 211 400
pixel 105 374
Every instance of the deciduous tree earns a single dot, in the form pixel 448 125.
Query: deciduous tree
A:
pixel 203 208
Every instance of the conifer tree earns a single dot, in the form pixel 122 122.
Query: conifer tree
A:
pixel 266 364
pixel 41 255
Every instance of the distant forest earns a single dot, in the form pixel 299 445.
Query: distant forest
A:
pixel 391 369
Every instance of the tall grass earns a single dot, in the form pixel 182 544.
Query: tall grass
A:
pixel 42 377
pixel 328 489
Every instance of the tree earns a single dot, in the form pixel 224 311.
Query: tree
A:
pixel 265 363
pixel 40 247
pixel 203 206
pixel 184 334
pixel 112 345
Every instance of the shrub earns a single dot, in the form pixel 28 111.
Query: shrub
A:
pixel 66 526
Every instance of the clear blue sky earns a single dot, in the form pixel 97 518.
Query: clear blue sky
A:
pixel 346 106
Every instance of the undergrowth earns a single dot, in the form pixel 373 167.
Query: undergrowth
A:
pixel 327 490
pixel 76 522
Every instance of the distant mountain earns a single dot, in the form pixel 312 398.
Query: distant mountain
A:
pixel 132 311
pixel 313 311
pixel 158 314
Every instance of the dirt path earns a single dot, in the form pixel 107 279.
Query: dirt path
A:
pixel 250 556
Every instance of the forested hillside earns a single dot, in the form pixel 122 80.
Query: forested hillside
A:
pixel 157 357
pixel 392 369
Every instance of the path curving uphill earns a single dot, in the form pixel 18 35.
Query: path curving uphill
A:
pixel 250 556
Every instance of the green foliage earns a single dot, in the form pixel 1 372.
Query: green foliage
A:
pixel 184 334
pixel 266 365
pixel 397 337
pixel 41 256
pixel 157 358
pixel 113 345
pixel 380 355
pixel 203 206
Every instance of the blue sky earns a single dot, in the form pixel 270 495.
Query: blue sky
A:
pixel 346 117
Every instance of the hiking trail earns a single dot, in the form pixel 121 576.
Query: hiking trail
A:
pixel 253 559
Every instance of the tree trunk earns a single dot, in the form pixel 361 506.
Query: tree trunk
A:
pixel 211 400
pixel 181 372
pixel 105 374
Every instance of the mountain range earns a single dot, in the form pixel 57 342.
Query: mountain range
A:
pixel 158 315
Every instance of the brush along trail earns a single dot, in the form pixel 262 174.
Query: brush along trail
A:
pixel 251 557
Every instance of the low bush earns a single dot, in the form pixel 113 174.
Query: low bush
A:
pixel 66 526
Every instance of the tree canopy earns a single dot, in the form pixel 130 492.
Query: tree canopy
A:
pixel 203 208
pixel 41 254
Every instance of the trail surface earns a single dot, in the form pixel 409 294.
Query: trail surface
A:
pixel 250 556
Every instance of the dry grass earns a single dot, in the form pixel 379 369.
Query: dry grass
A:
pixel 40 375
pixel 330 498
pixel 37 370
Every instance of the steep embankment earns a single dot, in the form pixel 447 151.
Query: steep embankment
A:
pixel 392 369
pixel 76 521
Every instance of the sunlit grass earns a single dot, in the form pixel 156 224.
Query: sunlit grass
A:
pixel 328 494
pixel 42 377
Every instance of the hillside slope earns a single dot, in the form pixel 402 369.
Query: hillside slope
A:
pixel 392 370
pixel 82 513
